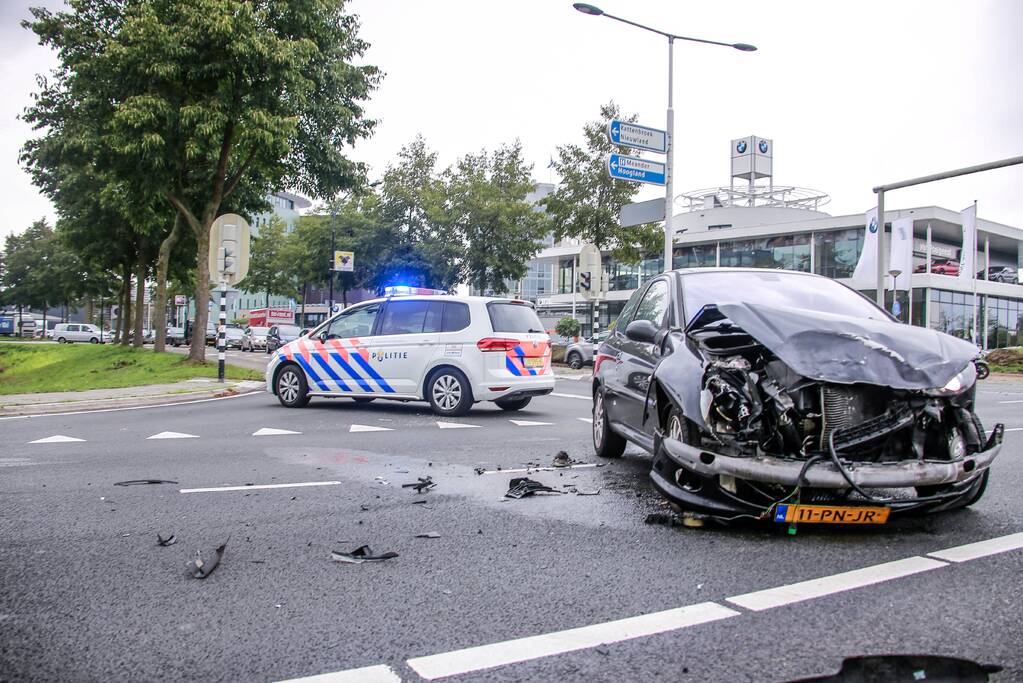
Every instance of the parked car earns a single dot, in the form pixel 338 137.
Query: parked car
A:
pixel 175 336
pixel 279 335
pixel 580 353
pixel 66 333
pixel 451 351
pixel 789 397
pixel 233 336
pixel 254 338
pixel 1000 274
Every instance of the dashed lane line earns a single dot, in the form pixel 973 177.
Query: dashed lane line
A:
pixel 367 674
pixel 585 419
pixel 215 489
pixel 273 431
pixel 369 428
pixel 585 398
pixel 534 647
pixel 530 423
pixel 456 425
pixel 971 551
pixel 58 438
pixel 117 410
pixel 172 435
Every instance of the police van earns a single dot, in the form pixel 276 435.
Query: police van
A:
pixel 451 351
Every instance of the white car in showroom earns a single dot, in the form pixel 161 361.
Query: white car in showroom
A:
pixel 448 350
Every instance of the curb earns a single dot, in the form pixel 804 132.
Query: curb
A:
pixel 55 408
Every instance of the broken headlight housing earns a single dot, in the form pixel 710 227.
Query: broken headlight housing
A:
pixel 958 384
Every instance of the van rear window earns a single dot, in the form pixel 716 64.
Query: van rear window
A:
pixel 514 318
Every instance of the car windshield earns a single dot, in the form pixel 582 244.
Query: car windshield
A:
pixel 773 288
pixel 288 330
pixel 514 318
pixel 259 331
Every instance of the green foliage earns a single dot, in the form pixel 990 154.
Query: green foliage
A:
pixel 587 203
pixel 267 265
pixel 39 270
pixel 568 327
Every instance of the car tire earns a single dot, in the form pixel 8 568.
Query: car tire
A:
pixel 363 400
pixel 61 340
pixel 575 360
pixel 514 404
pixel 93 340
pixel 292 390
pixel 606 443
pixel 449 393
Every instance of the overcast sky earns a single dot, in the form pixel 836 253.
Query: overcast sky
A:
pixel 854 94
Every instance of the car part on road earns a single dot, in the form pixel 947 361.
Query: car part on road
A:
pixel 199 568
pixel 428 534
pixel 587 491
pixel 895 668
pixel 561 459
pixel 361 554
pixel 142 482
pixel 424 484
pixel 521 487
pixel 170 540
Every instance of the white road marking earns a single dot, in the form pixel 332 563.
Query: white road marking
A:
pixel 367 674
pixel 971 551
pixel 1015 429
pixel 1018 401
pixel 172 435
pixel 456 425
pixel 534 647
pixel 259 486
pixel 369 428
pixel 585 398
pixel 57 438
pixel 836 583
pixel 528 423
pixel 272 431
pixel 541 469
pixel 15 462
pixel 585 419
pixel 116 410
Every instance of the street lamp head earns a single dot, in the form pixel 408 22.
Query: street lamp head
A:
pixel 588 9
pixel 745 47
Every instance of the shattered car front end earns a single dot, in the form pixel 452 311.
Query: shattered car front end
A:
pixel 792 406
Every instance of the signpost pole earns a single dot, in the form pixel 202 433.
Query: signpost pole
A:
pixel 669 165
pixel 222 330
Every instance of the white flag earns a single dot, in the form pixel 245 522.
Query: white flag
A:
pixel 865 274
pixel 968 255
pixel 900 257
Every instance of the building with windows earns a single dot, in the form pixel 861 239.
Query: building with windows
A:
pixel 762 225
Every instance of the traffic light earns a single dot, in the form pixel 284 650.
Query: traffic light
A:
pixel 584 281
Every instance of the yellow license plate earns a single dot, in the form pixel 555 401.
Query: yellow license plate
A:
pixel 533 362
pixel 830 514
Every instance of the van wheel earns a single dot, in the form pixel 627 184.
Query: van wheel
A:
pixel 61 340
pixel 93 340
pixel 449 393
pixel 292 390
pixel 514 404
pixel 606 443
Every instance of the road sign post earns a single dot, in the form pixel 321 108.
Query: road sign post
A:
pixel 229 259
pixel 635 170
pixel 637 136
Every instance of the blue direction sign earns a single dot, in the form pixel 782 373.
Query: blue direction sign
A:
pixel 640 137
pixel 635 169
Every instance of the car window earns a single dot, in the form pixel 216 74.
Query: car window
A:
pixel 625 317
pixel 260 331
pixel 273 330
pixel 72 328
pixel 405 317
pixel 456 316
pixel 293 330
pixel 354 323
pixel 654 304
pixel 514 318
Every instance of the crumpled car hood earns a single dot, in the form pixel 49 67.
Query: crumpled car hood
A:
pixel 848 350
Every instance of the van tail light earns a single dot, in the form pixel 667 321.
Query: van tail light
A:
pixel 496 344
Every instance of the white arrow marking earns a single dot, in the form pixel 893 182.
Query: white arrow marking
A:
pixel 172 435
pixel 527 423
pixel 271 431
pixel 57 438
pixel 369 428
pixel 455 425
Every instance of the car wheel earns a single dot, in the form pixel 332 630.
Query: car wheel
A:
pixel 61 340
pixel 292 390
pixel 93 340
pixel 606 443
pixel 449 393
pixel 514 404
pixel 363 400
pixel 575 361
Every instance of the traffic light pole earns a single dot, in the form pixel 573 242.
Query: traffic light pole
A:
pixel 221 330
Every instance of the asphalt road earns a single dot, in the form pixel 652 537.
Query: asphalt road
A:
pixel 86 593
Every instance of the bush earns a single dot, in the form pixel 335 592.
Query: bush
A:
pixel 568 327
pixel 1006 360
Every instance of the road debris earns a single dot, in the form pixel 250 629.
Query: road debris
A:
pixel 665 518
pixel 587 491
pixel 520 487
pixel 361 554
pixel 170 540
pixel 200 569
pixel 381 480
pixel 428 534
pixel 424 484
pixel 561 459
pixel 141 482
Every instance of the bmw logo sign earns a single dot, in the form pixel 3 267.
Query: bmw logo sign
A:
pixel 873 225
pixel 763 146
pixel 741 147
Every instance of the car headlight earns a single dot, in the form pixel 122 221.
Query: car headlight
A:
pixel 958 384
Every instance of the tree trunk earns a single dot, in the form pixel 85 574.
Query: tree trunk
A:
pixel 44 320
pixel 160 296
pixel 125 322
pixel 268 303
pixel 90 310
pixel 305 287
pixel 197 351
pixel 140 300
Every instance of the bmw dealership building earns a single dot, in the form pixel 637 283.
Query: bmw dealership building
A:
pixel 760 225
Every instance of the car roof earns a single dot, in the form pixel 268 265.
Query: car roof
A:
pixel 441 297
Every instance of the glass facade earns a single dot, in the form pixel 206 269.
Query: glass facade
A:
pixel 952 313
pixel 1004 322
pixel 566 275
pixel 787 252
pixel 836 253
pixel 697 256
pixel 537 281
pixel 620 276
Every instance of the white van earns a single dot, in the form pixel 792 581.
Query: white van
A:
pixel 66 333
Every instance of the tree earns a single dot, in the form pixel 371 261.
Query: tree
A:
pixel 268 270
pixel 568 327
pixel 196 99
pixel 587 203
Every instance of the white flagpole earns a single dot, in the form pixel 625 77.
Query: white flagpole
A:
pixel 973 273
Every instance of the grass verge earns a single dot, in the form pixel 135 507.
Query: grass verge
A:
pixel 27 368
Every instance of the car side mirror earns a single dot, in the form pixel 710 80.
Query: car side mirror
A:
pixel 642 331
pixel 323 336
pixel 304 332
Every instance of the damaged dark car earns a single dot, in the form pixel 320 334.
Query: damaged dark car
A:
pixel 789 397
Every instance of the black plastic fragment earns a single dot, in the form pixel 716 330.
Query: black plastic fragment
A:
pixel 909 668
pixel 200 569
pixel 520 487
pixel 361 554
pixel 424 484
pixel 170 540
pixel 561 459
pixel 142 482
pixel 428 534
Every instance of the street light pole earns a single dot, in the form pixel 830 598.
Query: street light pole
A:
pixel 669 166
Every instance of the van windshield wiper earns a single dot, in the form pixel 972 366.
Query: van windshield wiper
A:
pixel 531 330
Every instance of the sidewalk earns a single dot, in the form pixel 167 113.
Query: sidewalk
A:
pixel 98 399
